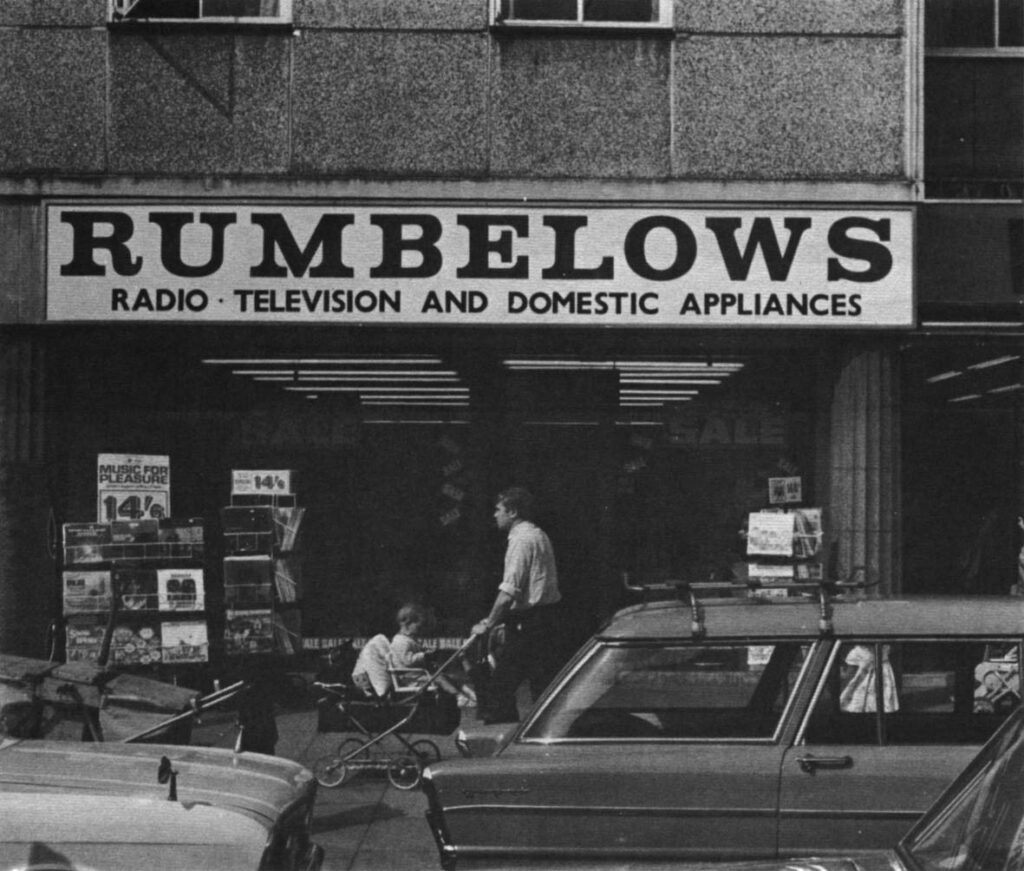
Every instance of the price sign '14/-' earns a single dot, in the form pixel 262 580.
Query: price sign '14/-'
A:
pixel 129 505
pixel 265 481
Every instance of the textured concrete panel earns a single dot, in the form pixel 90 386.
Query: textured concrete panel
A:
pixel 581 107
pixel 390 103
pixel 793 16
pixel 392 14
pixel 789 108
pixel 63 13
pixel 52 100
pixel 198 103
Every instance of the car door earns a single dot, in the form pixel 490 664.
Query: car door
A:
pixel 645 751
pixel 861 772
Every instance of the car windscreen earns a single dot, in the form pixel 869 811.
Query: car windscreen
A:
pixel 979 826
pixel 675 691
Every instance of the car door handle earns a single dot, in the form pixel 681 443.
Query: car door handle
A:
pixel 809 764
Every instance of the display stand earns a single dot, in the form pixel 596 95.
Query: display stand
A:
pixel 134 593
pixel 262 569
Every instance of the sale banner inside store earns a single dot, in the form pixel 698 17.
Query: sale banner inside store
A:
pixel 132 487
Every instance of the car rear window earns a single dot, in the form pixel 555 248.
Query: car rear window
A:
pixel 686 691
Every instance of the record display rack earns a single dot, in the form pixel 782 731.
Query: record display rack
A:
pixel 141 581
pixel 262 575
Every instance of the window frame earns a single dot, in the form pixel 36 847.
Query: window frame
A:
pixel 527 734
pixel 977 51
pixel 664 24
pixel 118 16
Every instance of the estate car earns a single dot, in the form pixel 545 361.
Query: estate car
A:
pixel 738 729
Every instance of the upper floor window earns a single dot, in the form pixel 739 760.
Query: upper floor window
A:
pixel 205 11
pixel 974 99
pixel 974 24
pixel 583 13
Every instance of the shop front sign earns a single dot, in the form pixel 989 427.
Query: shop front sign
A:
pixel 467 264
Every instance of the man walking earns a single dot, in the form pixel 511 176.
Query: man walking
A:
pixel 525 604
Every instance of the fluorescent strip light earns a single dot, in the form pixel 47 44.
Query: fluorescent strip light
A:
pixel 354 374
pixel 683 366
pixel 1007 388
pixel 945 376
pixel 636 393
pixel 412 403
pixel 639 423
pixel 996 361
pixel 455 421
pixel 966 397
pixel 542 365
pixel 386 389
pixel 326 361
pixel 696 381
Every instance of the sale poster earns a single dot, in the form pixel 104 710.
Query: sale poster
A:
pixel 132 487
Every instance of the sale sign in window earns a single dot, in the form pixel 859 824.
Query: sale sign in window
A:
pixel 132 487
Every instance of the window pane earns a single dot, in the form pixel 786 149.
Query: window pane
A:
pixel 539 10
pixel 620 10
pixel 1011 23
pixel 699 691
pixel 974 118
pixel 961 23
pixel 953 692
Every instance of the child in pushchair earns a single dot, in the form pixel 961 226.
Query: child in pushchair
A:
pixel 382 702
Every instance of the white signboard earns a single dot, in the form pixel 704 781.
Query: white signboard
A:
pixel 737 266
pixel 261 482
pixel 132 487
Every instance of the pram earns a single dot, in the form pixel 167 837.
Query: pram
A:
pixel 395 710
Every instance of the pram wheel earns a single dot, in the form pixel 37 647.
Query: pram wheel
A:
pixel 351 747
pixel 426 752
pixel 405 771
pixel 330 771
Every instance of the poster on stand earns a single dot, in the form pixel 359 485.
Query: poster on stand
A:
pixel 249 631
pixel 180 589
pixel 86 592
pixel 132 487
pixel 136 642
pixel 807 532
pixel 770 533
pixel 184 641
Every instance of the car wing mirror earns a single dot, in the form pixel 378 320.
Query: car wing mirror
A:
pixel 166 774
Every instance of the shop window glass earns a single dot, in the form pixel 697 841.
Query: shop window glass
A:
pixel 916 692
pixel 713 691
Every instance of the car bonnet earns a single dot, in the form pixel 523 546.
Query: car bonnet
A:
pixel 260 786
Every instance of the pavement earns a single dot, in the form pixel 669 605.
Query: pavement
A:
pixel 366 824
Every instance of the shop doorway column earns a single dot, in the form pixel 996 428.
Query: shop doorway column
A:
pixel 864 469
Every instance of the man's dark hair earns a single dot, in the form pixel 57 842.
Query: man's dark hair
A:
pixel 518 500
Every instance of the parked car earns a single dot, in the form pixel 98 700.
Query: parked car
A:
pixel 735 729
pixel 70 805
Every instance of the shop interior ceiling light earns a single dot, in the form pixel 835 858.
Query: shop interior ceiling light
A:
pixel 413 380
pixel 944 376
pixel 995 361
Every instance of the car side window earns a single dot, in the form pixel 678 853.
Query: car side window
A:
pixel 699 691
pixel 954 691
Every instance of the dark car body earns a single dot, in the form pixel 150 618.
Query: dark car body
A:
pixel 72 805
pixel 756 729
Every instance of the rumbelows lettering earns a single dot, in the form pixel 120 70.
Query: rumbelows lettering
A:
pixel 417 245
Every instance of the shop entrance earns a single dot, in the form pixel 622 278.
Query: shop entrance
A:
pixel 962 467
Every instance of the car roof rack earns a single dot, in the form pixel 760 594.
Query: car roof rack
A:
pixel 690 592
